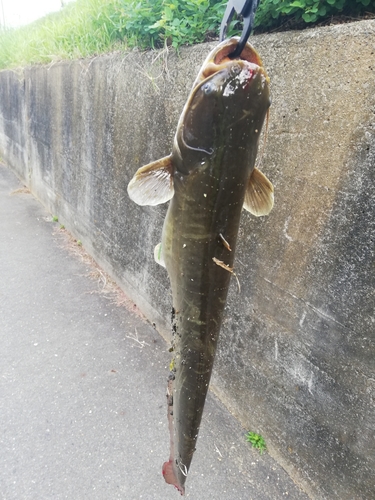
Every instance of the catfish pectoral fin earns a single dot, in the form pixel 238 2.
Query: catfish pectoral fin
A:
pixel 259 194
pixel 153 183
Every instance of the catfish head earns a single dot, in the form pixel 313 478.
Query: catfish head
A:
pixel 219 126
pixel 226 108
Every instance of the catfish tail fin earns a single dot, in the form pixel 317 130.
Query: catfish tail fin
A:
pixel 170 476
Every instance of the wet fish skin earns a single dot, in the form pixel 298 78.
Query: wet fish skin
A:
pixel 209 176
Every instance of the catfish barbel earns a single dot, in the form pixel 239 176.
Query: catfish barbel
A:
pixel 209 177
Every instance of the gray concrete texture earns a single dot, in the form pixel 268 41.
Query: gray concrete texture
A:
pixel 83 382
pixel 296 355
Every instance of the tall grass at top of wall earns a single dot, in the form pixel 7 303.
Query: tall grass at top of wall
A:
pixel 90 27
pixel 78 30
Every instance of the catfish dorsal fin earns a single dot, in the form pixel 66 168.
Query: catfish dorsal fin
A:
pixel 153 183
pixel 259 194
pixel 265 137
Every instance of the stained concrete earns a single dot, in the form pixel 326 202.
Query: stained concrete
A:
pixel 297 348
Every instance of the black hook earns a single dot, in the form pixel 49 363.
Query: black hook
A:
pixel 245 8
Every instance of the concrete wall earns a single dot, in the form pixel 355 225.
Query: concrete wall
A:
pixel 296 359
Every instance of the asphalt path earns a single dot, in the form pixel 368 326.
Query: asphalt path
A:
pixel 83 381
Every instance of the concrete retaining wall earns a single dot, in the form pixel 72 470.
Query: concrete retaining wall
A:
pixel 296 359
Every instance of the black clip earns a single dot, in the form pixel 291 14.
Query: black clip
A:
pixel 245 8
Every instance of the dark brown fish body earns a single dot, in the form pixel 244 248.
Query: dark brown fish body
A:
pixel 199 288
pixel 212 166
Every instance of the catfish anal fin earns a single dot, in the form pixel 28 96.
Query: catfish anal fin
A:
pixel 153 183
pixel 259 194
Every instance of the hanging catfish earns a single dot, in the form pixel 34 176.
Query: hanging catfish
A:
pixel 209 177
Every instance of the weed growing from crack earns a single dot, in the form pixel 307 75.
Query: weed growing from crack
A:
pixel 257 441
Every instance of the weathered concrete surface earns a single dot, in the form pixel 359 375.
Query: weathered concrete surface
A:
pixel 296 358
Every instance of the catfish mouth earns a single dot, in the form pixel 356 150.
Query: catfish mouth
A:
pixel 220 58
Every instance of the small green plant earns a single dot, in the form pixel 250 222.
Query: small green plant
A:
pixel 257 441
pixel 55 218
pixel 62 227
pixel 79 243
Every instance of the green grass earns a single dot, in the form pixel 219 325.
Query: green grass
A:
pixel 79 30
pixel 257 441
pixel 90 27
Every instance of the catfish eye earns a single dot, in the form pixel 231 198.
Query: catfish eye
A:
pixel 208 88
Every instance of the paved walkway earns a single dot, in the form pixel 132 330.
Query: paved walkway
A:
pixel 82 385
